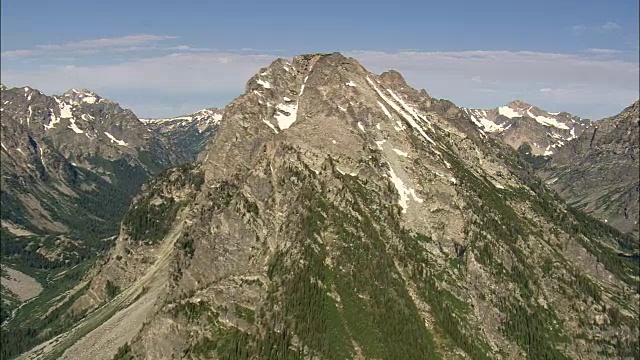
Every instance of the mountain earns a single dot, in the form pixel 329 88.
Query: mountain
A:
pixel 71 164
pixel 518 123
pixel 598 171
pixel 342 214
pixel 189 133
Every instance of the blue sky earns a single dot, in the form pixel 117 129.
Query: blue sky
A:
pixel 168 59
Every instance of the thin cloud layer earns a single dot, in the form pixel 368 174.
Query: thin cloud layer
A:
pixel 587 84
pixel 606 27
pixel 90 46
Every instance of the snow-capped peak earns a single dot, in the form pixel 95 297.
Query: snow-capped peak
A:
pixel 518 122
pixel 82 96
pixel 210 116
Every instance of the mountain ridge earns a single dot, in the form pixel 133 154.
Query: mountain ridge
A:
pixel 518 123
pixel 598 171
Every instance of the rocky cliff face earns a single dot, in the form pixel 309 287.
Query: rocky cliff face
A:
pixel 598 171
pixel 342 214
pixel 519 123
pixel 188 133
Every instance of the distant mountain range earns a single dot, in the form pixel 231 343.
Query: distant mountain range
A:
pixel 190 133
pixel 518 122
pixel 598 172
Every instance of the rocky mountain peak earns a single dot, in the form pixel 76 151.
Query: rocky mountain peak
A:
pixel 324 100
pixel 82 96
pixel 341 214
pixel 518 104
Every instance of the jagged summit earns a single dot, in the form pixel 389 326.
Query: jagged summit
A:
pixel 327 100
pixel 518 104
pixel 79 120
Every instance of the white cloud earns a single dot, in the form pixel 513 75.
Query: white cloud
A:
pixel 177 73
pixel 87 47
pixel 582 28
pixel 578 29
pixel 598 51
pixel 610 26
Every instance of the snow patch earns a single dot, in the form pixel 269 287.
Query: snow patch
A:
pixel 351 83
pixel 286 99
pixel 74 127
pixel 380 143
pixel 360 126
pixel 486 124
pixel 113 139
pixel 270 125
pixel 409 108
pixel 508 112
pixel 378 126
pixel 401 153
pixel 65 109
pixel 397 108
pixel 453 180
pixel 384 109
pixel 54 120
pixel 265 84
pixel 4 147
pixel 284 120
pixel 497 184
pixel 89 99
pixel 547 121
pixel 403 191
